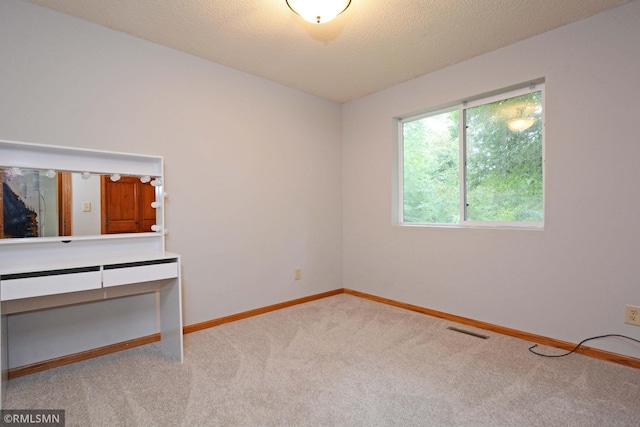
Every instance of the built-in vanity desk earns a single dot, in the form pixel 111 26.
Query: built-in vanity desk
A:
pixel 76 259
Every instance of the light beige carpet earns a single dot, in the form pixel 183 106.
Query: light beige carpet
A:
pixel 339 361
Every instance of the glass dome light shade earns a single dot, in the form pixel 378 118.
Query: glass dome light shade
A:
pixel 318 11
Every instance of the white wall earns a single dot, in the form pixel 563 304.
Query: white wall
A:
pixel 570 281
pixel 253 169
pixel 85 191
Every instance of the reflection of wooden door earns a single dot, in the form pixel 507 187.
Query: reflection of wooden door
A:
pixel 64 204
pixel 126 205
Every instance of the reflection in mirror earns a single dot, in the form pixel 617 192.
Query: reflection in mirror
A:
pixel 29 205
pixel 46 203
pixel 127 205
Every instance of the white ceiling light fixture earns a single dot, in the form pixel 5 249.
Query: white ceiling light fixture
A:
pixel 318 11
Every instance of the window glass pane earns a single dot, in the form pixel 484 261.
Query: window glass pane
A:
pixel 504 160
pixel 431 169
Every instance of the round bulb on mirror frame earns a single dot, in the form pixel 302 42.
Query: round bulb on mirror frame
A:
pixel 115 177
pixel 155 205
pixel 156 182
pixel 155 227
pixel 165 195
pixel 85 175
pixel 145 179
pixel 50 173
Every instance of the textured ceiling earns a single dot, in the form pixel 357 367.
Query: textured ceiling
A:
pixel 374 44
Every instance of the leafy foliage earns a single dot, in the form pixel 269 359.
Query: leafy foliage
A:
pixel 503 177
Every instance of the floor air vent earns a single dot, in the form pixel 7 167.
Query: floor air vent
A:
pixel 473 334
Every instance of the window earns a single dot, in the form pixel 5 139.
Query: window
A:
pixel 477 163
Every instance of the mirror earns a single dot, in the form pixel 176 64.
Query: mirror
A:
pixel 46 203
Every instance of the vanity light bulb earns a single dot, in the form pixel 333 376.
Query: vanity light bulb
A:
pixel 85 175
pixel 165 195
pixel 115 177
pixel 16 172
pixel 156 182
pixel 155 205
pixel 145 179
pixel 155 227
pixel 50 173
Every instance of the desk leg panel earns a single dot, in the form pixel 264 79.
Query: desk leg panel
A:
pixel 4 363
pixel 171 320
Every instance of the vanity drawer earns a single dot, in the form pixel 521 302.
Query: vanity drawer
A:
pixel 137 272
pixel 50 282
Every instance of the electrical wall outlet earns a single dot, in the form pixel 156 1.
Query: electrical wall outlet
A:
pixel 297 274
pixel 632 315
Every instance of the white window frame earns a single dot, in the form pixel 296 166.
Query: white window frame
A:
pixel 461 106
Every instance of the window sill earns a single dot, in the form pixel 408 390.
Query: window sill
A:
pixel 476 226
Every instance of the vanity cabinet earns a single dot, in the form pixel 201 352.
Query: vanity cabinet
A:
pixel 41 271
pixel 49 282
